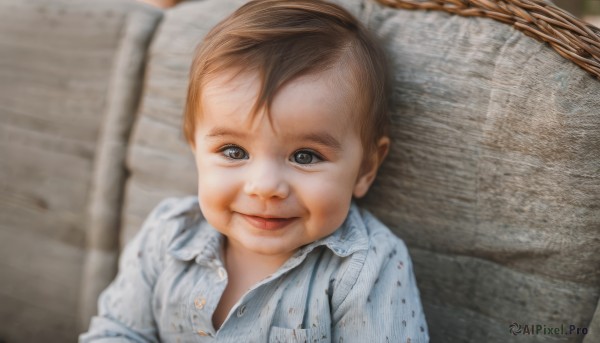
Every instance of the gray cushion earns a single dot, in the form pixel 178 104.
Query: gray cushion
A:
pixel 493 178
pixel 58 60
pixel 495 175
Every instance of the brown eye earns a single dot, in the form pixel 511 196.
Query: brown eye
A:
pixel 305 157
pixel 235 153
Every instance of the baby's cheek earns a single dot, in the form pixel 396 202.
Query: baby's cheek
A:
pixel 328 203
pixel 216 191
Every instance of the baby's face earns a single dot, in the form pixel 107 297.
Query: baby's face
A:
pixel 274 187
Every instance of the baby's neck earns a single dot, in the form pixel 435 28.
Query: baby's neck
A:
pixel 245 269
pixel 249 266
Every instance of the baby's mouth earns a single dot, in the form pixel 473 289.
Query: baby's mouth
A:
pixel 267 222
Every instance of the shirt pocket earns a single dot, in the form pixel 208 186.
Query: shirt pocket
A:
pixel 312 335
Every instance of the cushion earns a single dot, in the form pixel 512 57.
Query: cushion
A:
pixel 67 68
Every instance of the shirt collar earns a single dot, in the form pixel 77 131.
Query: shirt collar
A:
pixel 202 243
pixel 197 239
pixel 350 237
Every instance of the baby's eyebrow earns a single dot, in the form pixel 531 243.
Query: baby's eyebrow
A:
pixel 322 138
pixel 223 131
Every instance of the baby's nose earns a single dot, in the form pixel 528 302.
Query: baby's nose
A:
pixel 266 180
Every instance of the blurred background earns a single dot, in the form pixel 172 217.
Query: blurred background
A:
pixel 589 10
pixel 586 9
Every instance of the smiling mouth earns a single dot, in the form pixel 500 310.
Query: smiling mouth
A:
pixel 267 223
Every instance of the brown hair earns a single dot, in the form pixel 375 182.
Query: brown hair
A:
pixel 283 40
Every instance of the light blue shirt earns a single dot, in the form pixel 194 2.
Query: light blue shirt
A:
pixel 355 285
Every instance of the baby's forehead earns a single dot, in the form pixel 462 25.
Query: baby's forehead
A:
pixel 329 88
pixel 314 102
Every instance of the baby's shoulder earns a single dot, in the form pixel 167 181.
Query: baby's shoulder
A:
pixel 382 242
pixel 170 219
pixel 379 247
pixel 175 207
pixel 380 264
pixel 147 250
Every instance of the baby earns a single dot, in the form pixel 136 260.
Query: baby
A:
pixel 287 118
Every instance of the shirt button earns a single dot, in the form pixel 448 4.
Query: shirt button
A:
pixel 241 311
pixel 202 333
pixel 200 302
pixel 222 273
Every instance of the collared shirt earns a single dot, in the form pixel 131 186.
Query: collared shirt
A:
pixel 355 285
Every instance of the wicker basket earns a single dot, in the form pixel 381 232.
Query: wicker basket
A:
pixel 572 38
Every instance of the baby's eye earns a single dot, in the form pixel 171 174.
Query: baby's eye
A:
pixel 234 152
pixel 305 157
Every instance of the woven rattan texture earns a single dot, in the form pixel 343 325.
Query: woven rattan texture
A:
pixel 569 36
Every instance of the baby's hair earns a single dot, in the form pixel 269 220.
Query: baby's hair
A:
pixel 283 40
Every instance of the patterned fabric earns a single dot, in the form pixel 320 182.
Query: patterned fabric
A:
pixel 356 285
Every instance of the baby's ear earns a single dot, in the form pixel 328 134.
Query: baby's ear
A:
pixel 371 165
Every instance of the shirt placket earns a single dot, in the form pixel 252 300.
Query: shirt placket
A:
pixel 205 295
